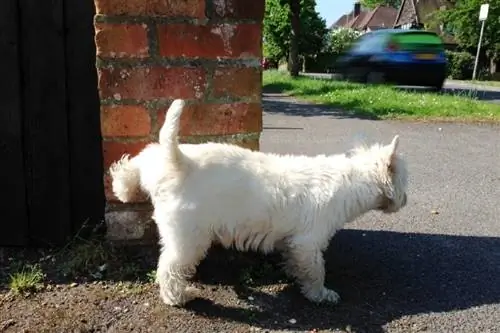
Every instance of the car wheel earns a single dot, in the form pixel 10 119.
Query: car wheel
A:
pixel 375 78
pixel 354 75
pixel 438 86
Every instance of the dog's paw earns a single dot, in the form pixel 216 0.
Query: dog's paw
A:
pixel 323 295
pixel 331 296
pixel 181 299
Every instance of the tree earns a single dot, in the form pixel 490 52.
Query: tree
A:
pixel 293 57
pixel 462 21
pixel 278 31
pixel 374 3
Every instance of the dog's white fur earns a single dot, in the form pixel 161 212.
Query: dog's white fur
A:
pixel 214 192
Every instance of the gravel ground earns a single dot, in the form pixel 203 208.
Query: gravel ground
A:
pixel 434 267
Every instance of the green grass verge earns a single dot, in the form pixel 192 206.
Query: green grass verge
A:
pixel 383 102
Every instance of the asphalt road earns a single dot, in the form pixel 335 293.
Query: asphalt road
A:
pixel 485 93
pixel 433 267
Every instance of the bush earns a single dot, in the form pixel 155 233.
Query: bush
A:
pixel 322 63
pixel 340 39
pixel 460 65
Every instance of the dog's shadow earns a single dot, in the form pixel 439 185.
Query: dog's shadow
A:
pixel 381 276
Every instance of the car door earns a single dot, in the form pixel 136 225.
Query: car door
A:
pixel 357 57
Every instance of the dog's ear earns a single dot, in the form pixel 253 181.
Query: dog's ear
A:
pixel 394 144
pixel 392 150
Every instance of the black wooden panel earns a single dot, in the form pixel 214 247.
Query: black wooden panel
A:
pixel 86 164
pixel 45 121
pixel 13 213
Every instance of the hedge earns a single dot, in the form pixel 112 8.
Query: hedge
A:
pixel 460 65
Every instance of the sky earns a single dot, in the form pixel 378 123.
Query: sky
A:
pixel 331 10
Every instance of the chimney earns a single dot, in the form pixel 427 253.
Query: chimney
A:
pixel 357 9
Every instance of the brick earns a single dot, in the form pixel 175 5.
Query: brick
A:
pixel 238 9
pixel 237 82
pixel 252 144
pixel 110 197
pixel 129 225
pixel 219 119
pixel 121 40
pixel 169 8
pixel 125 120
pixel 210 41
pixel 151 83
pixel 113 150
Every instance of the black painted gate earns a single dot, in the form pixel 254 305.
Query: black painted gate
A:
pixel 50 141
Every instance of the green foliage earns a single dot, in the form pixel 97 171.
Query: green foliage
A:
pixel 463 22
pixel 322 63
pixel 277 29
pixel 374 3
pixel 340 39
pixel 460 65
pixel 27 280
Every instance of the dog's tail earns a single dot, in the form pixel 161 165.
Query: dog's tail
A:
pixel 170 131
pixel 125 178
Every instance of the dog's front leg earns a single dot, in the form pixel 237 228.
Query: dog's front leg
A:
pixel 305 262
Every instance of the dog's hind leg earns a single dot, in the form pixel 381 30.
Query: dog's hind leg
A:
pixel 305 263
pixel 180 254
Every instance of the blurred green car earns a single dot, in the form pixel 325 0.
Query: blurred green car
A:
pixel 400 57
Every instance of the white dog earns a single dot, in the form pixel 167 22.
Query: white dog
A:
pixel 212 192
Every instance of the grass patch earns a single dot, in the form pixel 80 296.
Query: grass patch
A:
pixel 87 257
pixel 381 101
pixel 81 261
pixel 27 280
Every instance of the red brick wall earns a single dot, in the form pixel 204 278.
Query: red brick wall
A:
pixel 150 52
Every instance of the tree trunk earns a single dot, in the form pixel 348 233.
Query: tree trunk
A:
pixel 293 57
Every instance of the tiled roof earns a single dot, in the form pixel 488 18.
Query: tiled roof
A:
pixel 417 11
pixel 407 13
pixel 357 21
pixel 381 16
pixel 341 22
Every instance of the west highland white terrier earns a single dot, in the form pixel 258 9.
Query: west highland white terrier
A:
pixel 214 192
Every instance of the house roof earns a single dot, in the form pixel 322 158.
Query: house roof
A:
pixel 407 13
pixel 342 21
pixel 381 16
pixel 358 20
pixel 417 11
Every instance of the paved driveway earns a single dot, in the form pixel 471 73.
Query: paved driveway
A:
pixel 434 267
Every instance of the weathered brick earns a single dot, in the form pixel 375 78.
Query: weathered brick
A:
pixel 131 226
pixel 151 83
pixel 210 41
pixel 125 120
pixel 237 82
pixel 252 144
pixel 238 9
pixel 121 40
pixel 180 8
pixel 218 119
pixel 113 151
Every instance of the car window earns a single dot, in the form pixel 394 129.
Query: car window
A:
pixel 358 45
pixel 369 43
